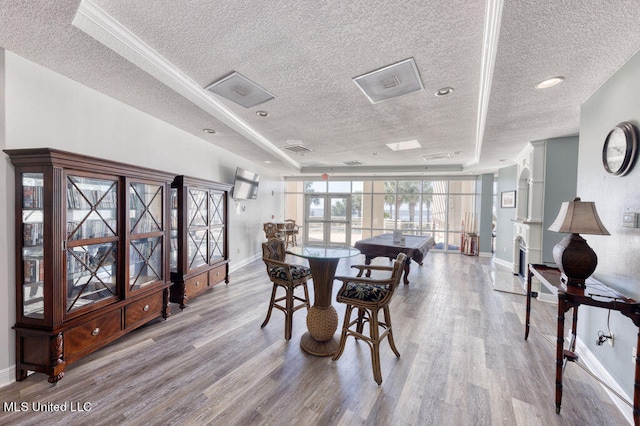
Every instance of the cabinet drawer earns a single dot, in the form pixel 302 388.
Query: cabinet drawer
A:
pixel 196 285
pixel 92 333
pixel 147 308
pixel 217 275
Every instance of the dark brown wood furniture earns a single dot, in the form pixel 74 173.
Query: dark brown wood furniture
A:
pixel 415 247
pixel 199 239
pixel 322 319
pixel 272 230
pixel 91 255
pixel 291 231
pixel 469 244
pixel 287 276
pixel 594 294
pixel 369 296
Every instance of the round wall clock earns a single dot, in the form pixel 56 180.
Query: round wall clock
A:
pixel 619 151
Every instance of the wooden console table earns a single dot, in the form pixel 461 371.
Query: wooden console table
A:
pixel 594 294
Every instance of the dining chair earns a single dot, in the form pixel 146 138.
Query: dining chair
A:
pixel 291 231
pixel 369 296
pixel 271 230
pixel 289 277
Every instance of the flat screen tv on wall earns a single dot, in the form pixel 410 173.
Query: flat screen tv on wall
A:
pixel 245 186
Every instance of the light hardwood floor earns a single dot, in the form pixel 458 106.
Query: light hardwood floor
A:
pixel 464 362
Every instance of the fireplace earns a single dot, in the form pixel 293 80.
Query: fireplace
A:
pixel 526 246
pixel 522 261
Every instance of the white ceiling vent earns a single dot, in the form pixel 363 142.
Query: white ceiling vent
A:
pixel 240 90
pixel 297 148
pixel 391 81
pixel 353 163
pixel 441 156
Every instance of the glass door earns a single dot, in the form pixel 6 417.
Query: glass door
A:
pixel 327 219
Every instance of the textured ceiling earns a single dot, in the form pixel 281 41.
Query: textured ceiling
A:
pixel 158 56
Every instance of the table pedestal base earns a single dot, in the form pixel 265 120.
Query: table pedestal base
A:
pixel 322 323
pixel 317 348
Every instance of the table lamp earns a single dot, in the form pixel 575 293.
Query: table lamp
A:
pixel 574 257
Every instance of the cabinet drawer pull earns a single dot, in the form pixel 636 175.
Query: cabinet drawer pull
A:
pixel 197 283
pixel 146 308
pixel 95 331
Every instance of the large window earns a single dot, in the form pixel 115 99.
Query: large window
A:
pixel 419 207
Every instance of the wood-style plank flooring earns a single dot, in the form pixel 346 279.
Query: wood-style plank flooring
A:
pixel 464 362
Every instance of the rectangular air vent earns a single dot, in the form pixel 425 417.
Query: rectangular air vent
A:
pixel 353 163
pixel 391 81
pixel 241 90
pixel 441 156
pixel 298 149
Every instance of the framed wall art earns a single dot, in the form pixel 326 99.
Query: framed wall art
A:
pixel 508 199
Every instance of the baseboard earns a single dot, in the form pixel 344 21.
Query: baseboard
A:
pixel 237 265
pixel 501 262
pixel 594 365
pixel 485 254
pixel 7 376
pixel 547 297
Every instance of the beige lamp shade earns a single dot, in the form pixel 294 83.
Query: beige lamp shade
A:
pixel 578 217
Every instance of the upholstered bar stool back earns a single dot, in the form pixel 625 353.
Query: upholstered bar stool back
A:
pixel 288 277
pixel 370 296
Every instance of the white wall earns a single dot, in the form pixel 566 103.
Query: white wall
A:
pixel 44 109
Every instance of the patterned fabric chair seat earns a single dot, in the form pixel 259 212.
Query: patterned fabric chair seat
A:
pixel 365 292
pixel 369 296
pixel 285 276
pixel 297 272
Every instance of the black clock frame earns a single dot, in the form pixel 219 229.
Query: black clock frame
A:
pixel 630 153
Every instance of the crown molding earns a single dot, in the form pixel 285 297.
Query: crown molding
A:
pixel 102 27
pixel 492 20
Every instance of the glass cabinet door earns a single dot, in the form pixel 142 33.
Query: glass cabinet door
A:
pixel 145 248
pixel 91 243
pixel 173 251
pixel 32 245
pixel 197 223
pixel 216 227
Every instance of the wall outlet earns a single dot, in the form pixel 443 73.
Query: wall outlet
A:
pixel 610 340
pixel 633 355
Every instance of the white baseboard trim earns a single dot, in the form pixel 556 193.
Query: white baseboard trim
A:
pixel 594 365
pixel 7 376
pixel 485 254
pixel 547 297
pixel 234 266
pixel 503 263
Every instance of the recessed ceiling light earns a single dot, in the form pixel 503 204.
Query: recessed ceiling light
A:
pixel 402 146
pixel 210 131
pixel 550 82
pixel 267 162
pixel 262 113
pixel 391 81
pixel 444 91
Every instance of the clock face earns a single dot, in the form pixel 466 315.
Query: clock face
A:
pixel 619 151
pixel 616 149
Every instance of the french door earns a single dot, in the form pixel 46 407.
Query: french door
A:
pixel 327 219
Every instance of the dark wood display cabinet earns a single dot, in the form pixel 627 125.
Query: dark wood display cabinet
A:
pixel 92 259
pixel 199 243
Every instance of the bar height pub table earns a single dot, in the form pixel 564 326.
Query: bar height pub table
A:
pixel 594 294
pixel 322 319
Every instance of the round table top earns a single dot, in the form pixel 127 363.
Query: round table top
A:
pixel 323 252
